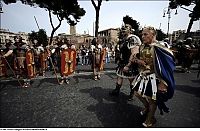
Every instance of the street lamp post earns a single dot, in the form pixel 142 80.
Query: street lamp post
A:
pixel 169 16
pixel 1 11
pixel 168 11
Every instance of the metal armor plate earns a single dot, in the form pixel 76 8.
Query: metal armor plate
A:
pixel 3 70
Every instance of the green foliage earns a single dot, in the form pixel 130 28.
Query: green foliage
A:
pixel 195 15
pixel 32 36
pixel 196 10
pixel 184 2
pixel 62 8
pixel 40 36
pixel 175 3
pixel 160 35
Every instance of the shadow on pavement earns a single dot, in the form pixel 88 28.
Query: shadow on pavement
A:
pixel 189 89
pixel 77 78
pixel 11 84
pixel 113 112
pixel 196 81
pixel 46 80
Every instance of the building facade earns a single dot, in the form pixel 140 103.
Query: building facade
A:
pixel 109 36
pixel 6 34
pixel 180 35
pixel 177 34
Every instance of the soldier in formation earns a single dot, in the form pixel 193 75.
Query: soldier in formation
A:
pixel 27 61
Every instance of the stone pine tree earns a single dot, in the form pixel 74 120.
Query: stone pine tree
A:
pixel 195 14
pixel 63 9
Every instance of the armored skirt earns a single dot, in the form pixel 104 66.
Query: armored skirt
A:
pixel 131 73
pixel 146 85
pixel 126 46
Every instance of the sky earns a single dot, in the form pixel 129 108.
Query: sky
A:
pixel 20 18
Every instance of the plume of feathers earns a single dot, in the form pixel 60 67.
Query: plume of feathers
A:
pixel 129 20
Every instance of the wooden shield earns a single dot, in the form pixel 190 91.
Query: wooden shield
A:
pixel 102 59
pixel 3 70
pixel 68 61
pixel 30 64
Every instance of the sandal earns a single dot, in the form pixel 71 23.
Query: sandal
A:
pixel 99 77
pixel 95 78
pixel 144 112
pixel 61 82
pixel 149 124
pixel 67 81
pixel 26 85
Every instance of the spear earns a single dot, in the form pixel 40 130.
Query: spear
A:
pixel 13 72
pixel 37 23
pixel 54 69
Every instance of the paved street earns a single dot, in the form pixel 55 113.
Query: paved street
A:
pixel 86 103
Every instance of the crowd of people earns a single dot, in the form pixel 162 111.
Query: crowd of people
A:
pixel 186 53
pixel 148 64
pixel 84 54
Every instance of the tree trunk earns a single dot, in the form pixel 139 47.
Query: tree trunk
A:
pixel 53 28
pixel 51 37
pixel 53 31
pixel 97 23
pixel 97 9
pixel 189 27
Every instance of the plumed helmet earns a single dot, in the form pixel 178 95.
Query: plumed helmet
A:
pixel 189 38
pixel 129 24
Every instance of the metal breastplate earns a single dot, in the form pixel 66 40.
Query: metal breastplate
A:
pixel 21 53
pixel 98 50
pixel 58 52
pixel 146 54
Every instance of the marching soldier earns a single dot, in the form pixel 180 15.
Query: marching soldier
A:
pixel 155 83
pixel 98 53
pixel 128 48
